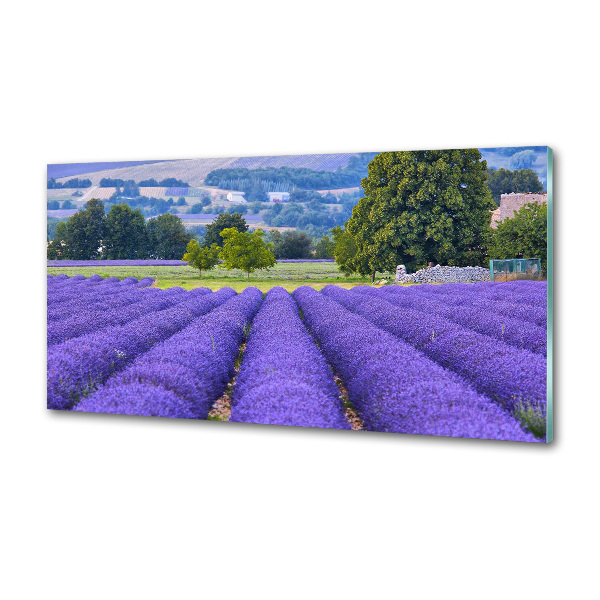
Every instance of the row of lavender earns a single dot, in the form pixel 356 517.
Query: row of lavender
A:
pixel 414 360
pixel 101 332
pixel 510 372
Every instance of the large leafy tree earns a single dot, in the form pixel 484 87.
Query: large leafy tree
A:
pixel 222 222
pixel 421 207
pixel 167 237
pixel 125 233
pixel 200 257
pixel 246 251
pixel 524 236
pixel 82 235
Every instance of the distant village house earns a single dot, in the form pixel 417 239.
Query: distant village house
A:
pixel 279 196
pixel 237 197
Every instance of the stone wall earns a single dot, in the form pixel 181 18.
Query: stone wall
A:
pixel 509 203
pixel 439 274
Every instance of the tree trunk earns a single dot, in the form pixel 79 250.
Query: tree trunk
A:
pixel 200 273
pixel 248 274
pixel 372 278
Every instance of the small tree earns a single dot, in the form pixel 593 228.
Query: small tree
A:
pixel 246 251
pixel 344 250
pixel 524 236
pixel 201 257
pixel 325 247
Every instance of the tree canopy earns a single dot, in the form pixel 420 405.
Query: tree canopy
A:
pixel 325 247
pixel 291 244
pixel 70 184
pixel 503 181
pixel 344 250
pixel 200 257
pixel 246 251
pixel 81 237
pixel 125 233
pixel 122 233
pixel 524 236
pixel 222 222
pixel 421 206
pixel 167 237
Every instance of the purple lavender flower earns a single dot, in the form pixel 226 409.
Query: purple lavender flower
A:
pixel 193 366
pixel 514 332
pixel 506 374
pixel 392 385
pixel 284 378
pixel 78 366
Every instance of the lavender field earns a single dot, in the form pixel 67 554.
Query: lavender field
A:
pixel 461 360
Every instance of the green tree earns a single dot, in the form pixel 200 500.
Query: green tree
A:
pixel 126 236
pixel 344 250
pixel 52 205
pixel 292 244
pixel 256 192
pixel 167 237
pixel 524 236
pixel 421 206
pixel 82 236
pixel 222 222
pixel 325 247
pixel 200 257
pixel 246 251
pixel 503 181
pixel 56 249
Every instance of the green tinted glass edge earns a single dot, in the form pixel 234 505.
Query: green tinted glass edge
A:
pixel 550 283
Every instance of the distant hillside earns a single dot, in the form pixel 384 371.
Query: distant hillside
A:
pixel 73 169
pixel 521 157
pixel 194 170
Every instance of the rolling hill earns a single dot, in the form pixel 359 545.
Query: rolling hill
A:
pixel 194 170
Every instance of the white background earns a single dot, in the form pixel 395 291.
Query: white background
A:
pixel 110 507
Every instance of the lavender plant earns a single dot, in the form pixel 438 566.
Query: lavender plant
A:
pixel 393 386
pixel 284 379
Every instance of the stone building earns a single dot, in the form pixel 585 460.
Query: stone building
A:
pixel 511 203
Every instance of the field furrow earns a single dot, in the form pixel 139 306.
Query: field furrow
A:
pixel 393 386
pixel 284 379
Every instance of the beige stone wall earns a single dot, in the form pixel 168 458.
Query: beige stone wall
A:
pixel 510 203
